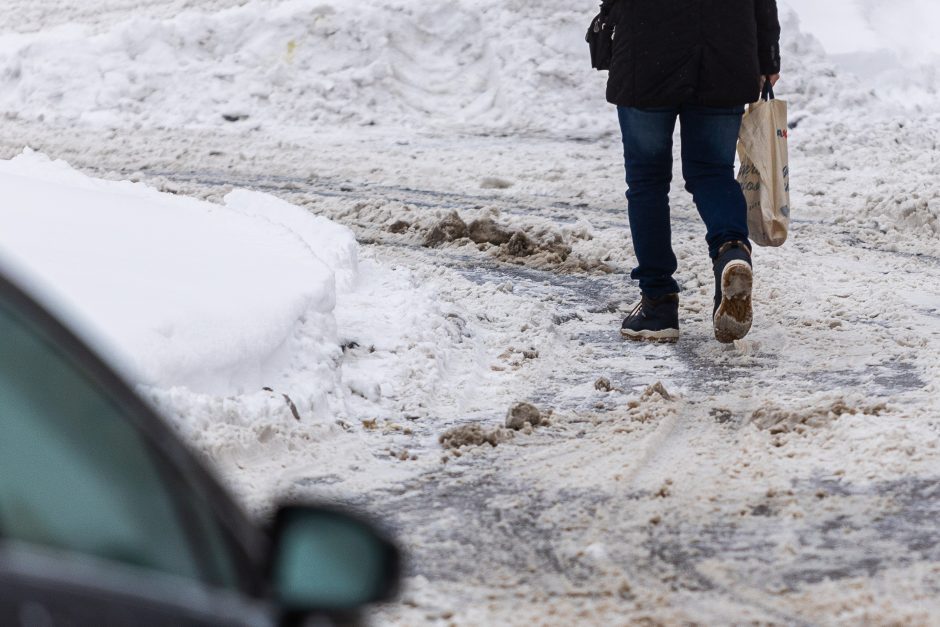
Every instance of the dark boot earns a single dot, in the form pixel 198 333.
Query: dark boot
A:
pixel 734 278
pixel 655 320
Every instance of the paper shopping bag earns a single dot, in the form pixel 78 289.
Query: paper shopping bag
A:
pixel 765 169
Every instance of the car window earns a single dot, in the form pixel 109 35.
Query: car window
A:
pixel 76 475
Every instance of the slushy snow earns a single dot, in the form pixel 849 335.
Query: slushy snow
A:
pixel 791 477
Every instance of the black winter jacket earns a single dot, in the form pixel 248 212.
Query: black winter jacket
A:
pixel 707 52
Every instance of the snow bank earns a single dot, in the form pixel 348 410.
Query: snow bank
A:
pixel 887 49
pixel 851 26
pixel 196 295
pixel 865 122
pixel 470 64
pixel 477 66
pixel 253 325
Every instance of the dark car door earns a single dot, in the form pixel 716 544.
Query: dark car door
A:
pixel 104 518
pixel 50 589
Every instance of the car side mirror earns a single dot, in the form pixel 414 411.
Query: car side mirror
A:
pixel 328 560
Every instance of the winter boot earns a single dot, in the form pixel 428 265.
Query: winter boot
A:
pixel 653 319
pixel 733 280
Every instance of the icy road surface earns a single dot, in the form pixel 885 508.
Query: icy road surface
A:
pixel 790 478
pixel 793 478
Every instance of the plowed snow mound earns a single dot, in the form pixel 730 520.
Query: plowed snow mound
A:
pixel 486 64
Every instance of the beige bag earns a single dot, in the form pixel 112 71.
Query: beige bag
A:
pixel 765 169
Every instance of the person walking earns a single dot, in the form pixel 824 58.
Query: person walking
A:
pixel 698 62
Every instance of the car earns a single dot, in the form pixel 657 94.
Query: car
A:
pixel 108 519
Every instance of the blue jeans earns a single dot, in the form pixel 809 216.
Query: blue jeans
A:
pixel 709 138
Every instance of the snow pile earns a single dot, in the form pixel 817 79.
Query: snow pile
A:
pixel 849 55
pixel 473 66
pixel 888 45
pixel 864 122
pixel 200 296
pixel 464 66
pixel 238 320
pixel 470 64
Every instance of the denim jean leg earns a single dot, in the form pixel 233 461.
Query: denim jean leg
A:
pixel 709 140
pixel 647 154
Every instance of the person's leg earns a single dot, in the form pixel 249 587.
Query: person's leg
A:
pixel 709 141
pixel 647 153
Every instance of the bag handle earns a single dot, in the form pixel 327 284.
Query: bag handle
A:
pixel 767 93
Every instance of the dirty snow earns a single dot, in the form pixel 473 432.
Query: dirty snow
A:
pixel 788 479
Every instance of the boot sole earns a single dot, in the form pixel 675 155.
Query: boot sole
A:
pixel 666 336
pixel 735 313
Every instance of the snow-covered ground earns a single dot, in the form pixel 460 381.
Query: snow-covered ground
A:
pixel 290 162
